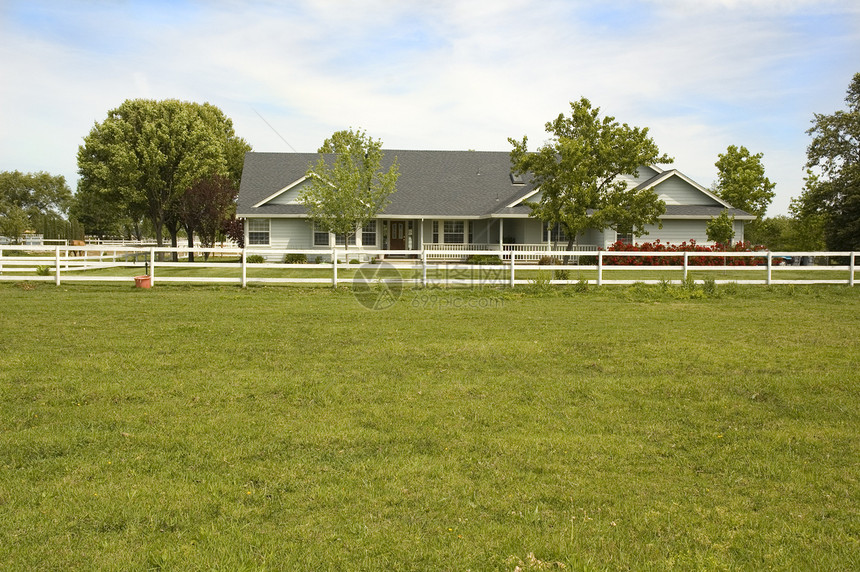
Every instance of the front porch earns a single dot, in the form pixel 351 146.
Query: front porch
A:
pixel 440 237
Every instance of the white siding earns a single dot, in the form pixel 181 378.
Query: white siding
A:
pixel 291 233
pixel 290 197
pixel 642 175
pixel 739 231
pixel 675 191
pixel 676 232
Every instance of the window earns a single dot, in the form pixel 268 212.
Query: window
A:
pixel 624 235
pixel 556 235
pixel 435 232
pixel 258 231
pixel 340 239
pixel 454 232
pixel 320 236
pixel 368 234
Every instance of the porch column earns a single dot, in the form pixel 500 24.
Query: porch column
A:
pixel 421 234
pixel 501 233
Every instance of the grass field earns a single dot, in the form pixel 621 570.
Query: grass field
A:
pixel 644 428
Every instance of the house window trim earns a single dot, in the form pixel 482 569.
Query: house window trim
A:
pixel 374 232
pixel 556 235
pixel 625 237
pixel 315 232
pixel 446 234
pixel 259 232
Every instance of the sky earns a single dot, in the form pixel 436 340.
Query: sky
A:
pixel 446 74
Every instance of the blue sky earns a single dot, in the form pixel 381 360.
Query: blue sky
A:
pixel 450 74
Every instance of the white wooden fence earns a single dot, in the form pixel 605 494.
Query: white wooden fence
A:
pixel 120 264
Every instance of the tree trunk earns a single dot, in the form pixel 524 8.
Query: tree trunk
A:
pixel 159 237
pixel 190 233
pixel 173 228
pixel 566 259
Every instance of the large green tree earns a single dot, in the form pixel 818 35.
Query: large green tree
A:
pixel 348 187
pixel 741 181
pixel 578 173
pixel 36 193
pixel 146 154
pixel 205 208
pixel 28 200
pixel 833 188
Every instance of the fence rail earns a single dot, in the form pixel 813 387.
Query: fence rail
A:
pixel 115 263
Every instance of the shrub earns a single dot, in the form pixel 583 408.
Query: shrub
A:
pixel 255 259
pixel 43 270
pixel 541 282
pixel 483 259
pixel 295 258
pixel 355 261
pixel 318 260
pixel 581 286
pixel 657 246
pixel 547 260
pixel 561 274
pixel 689 283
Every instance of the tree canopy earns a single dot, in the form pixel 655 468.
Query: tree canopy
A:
pixel 741 181
pixel 832 189
pixel 721 229
pixel 347 187
pixel 35 193
pixel 29 198
pixel 146 154
pixel 578 170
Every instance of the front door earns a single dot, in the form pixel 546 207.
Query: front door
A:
pixel 398 235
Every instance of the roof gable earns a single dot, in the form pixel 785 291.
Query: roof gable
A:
pixel 675 188
pixel 289 195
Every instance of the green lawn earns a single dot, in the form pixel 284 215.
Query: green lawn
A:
pixel 644 428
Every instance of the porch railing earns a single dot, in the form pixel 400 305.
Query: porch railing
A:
pixel 433 250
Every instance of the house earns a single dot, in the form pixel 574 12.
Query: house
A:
pixel 454 200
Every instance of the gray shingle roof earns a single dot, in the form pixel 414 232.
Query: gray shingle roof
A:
pixel 432 183
pixel 457 184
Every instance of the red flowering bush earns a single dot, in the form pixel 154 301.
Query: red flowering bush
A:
pixel 657 246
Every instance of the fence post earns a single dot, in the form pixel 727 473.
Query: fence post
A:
pixel 423 268
pixel 57 265
pixel 513 264
pixel 768 267
pixel 244 268
pixel 152 266
pixel 685 265
pixel 334 267
pixel 599 267
pixel 850 268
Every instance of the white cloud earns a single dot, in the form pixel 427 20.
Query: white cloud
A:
pixel 444 74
